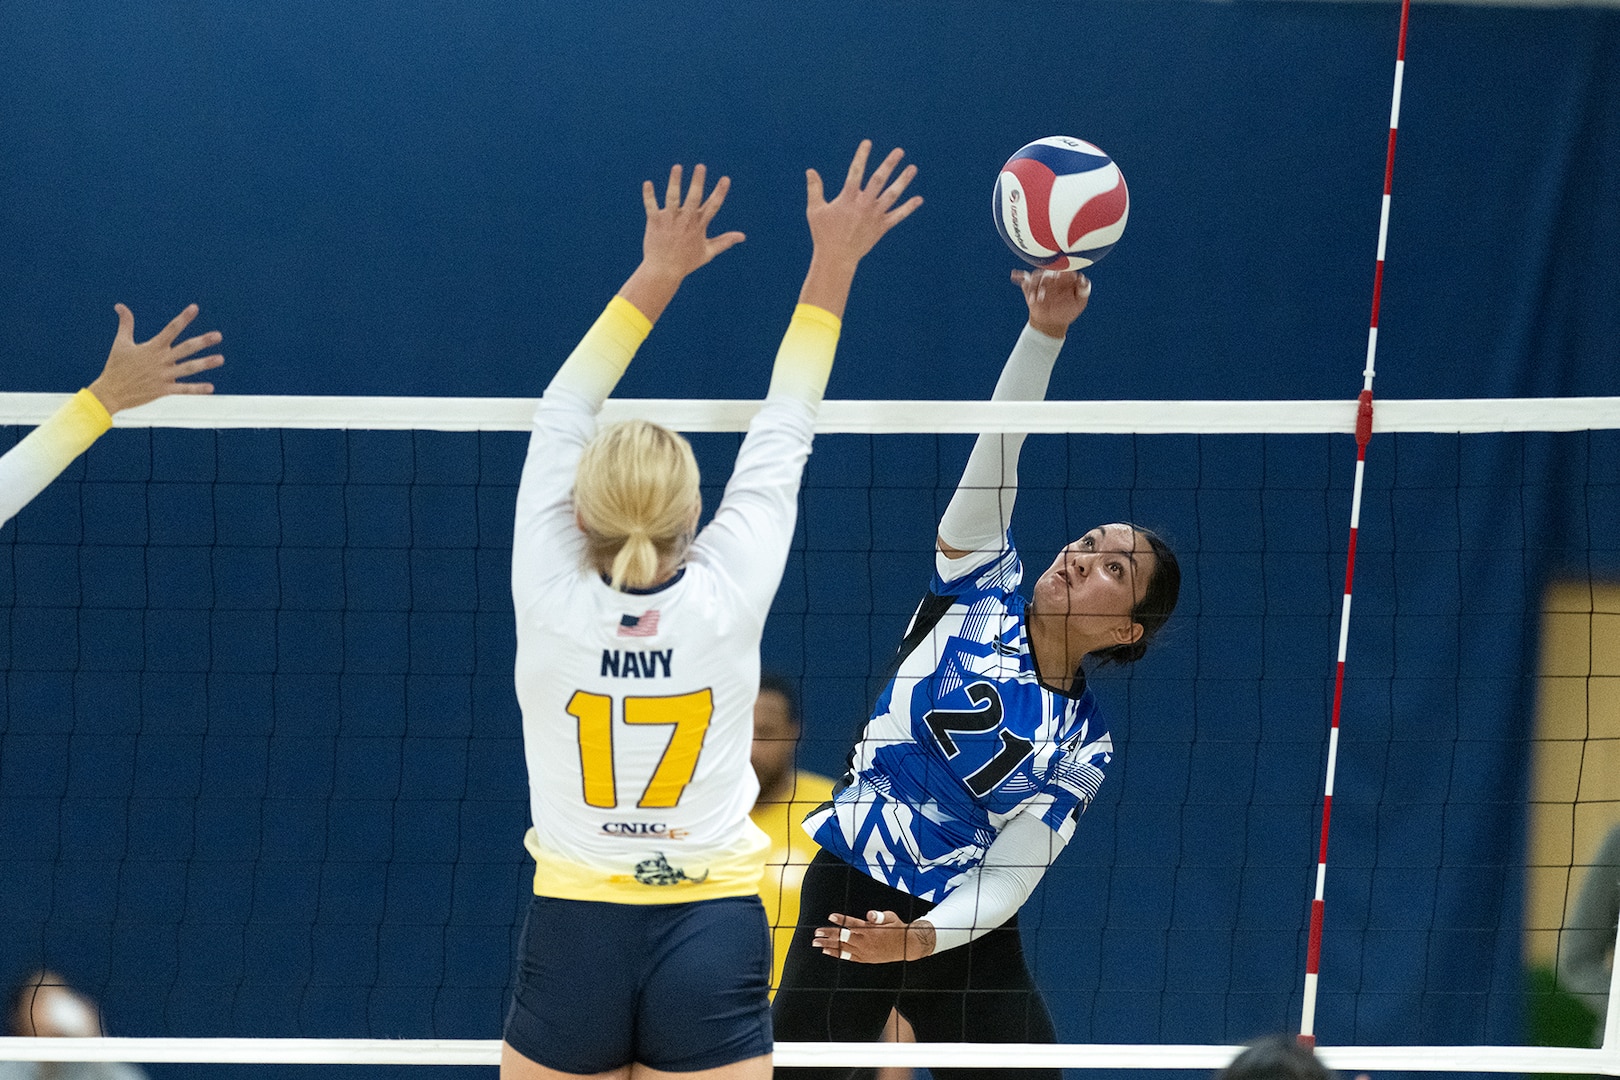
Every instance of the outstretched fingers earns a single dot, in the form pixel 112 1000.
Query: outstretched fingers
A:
pixel 139 372
pixel 724 242
pixel 126 324
pixel 813 188
pixel 901 212
pixel 195 344
pixel 846 227
pixel 200 363
pixel 888 194
pixel 167 335
pixel 672 193
pixel 892 193
pixel 675 242
pixel 857 166
pixel 880 175
pixel 717 198
pixel 192 367
pixel 694 192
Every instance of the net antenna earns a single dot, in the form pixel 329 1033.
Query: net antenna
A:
pixel 1364 420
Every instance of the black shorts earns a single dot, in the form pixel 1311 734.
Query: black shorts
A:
pixel 677 987
pixel 978 992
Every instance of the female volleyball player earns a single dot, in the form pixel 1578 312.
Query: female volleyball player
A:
pixel 134 374
pixel 645 950
pixel 981 753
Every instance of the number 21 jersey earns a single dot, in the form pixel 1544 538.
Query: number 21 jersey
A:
pixel 963 738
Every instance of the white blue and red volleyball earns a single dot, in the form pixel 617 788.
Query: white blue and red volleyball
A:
pixel 1061 203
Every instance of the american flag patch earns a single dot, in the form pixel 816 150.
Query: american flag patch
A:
pixel 643 625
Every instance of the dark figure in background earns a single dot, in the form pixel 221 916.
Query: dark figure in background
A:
pixel 978 759
pixel 1278 1057
pixel 1586 947
pixel 44 1006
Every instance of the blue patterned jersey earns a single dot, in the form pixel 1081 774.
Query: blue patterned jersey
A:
pixel 962 738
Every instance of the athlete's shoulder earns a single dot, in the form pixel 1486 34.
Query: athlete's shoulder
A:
pixel 992 571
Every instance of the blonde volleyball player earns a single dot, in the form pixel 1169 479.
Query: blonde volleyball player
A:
pixel 646 950
pixel 134 374
pixel 979 757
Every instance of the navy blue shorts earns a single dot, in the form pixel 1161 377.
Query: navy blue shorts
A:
pixel 677 987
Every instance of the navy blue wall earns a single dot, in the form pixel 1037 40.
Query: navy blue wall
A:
pixel 258 765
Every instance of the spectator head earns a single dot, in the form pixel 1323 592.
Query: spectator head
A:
pixel 44 1005
pixel 1277 1057
pixel 776 733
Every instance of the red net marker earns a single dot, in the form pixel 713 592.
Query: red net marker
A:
pixel 1364 417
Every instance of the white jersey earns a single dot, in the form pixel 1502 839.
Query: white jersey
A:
pixel 638 706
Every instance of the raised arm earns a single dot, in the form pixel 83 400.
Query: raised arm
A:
pixel 980 511
pixel 135 373
pixel 753 526
pixel 675 242
pixel 842 232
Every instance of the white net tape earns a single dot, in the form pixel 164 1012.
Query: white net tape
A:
pixel 1346 1059
pixel 865 417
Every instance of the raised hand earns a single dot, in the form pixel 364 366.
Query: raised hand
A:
pixel 1055 298
pixel 856 219
pixel 850 225
pixel 140 372
pixel 677 240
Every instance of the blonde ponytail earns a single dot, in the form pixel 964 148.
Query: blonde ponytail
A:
pixel 636 494
pixel 636 562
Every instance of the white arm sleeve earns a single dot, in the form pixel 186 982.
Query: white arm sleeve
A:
pixel 980 511
pixel 749 536
pixel 748 539
pixel 29 467
pixel 545 540
pixel 991 892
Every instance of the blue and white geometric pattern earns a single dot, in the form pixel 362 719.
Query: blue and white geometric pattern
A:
pixel 963 738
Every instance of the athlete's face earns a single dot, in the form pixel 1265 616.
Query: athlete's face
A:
pixel 1094 583
pixel 775 738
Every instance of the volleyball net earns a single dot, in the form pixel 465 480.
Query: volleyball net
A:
pixel 261 778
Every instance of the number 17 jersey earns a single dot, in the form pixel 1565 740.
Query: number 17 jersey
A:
pixel 638 708
pixel 963 738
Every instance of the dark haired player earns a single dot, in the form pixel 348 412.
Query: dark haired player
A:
pixel 980 755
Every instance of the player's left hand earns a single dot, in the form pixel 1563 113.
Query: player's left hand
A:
pixel 880 938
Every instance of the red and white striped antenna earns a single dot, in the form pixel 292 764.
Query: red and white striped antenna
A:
pixel 1364 415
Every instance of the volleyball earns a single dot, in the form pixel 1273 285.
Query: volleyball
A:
pixel 1060 203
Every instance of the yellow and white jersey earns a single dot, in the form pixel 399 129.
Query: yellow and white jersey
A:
pixel 638 707
pixel 29 467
